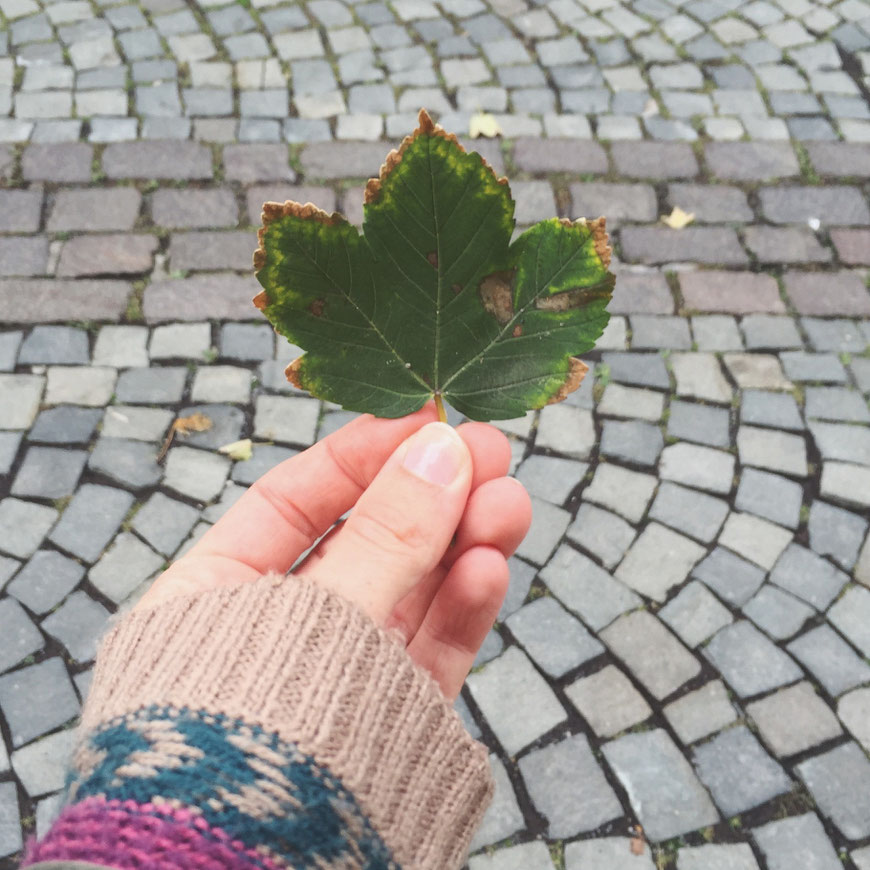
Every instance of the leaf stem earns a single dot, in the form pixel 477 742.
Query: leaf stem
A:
pixel 442 415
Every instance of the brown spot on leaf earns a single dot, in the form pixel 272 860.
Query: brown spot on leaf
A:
pixel 518 331
pixel 568 299
pixel 576 373
pixel 456 288
pixel 292 373
pixel 261 300
pixel 432 257
pixel 316 307
pixel 495 293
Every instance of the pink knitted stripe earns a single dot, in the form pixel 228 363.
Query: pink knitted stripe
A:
pixel 131 836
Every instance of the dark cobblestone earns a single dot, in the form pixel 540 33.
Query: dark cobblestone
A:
pixel 618 202
pixel 20 211
pixel 95 210
pixel 41 301
pixel 93 256
pixel 194 209
pixel 839 159
pixel 206 251
pixel 662 245
pixel 751 161
pixel 711 204
pixel 832 293
pixel 63 163
pixel 733 292
pixel 844 206
pixel 166 160
pixel 654 160
pixel 555 155
pixel 219 296
pixel 785 245
pixel 250 163
pixel 342 160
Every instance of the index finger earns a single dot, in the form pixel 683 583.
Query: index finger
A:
pixel 290 507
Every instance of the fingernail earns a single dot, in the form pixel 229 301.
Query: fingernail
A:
pixel 435 454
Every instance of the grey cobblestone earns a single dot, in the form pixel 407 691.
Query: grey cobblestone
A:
pixel 748 661
pixel 800 838
pixel 695 614
pixel 649 764
pixel 839 781
pixel 552 776
pixel 514 728
pixel 741 85
pixel 738 772
pixel 37 699
pixel 794 719
pixel 808 576
pixel 830 660
pixel 45 580
pixel 608 701
pixel 77 624
pixel 770 496
pixel 503 817
pixel 777 613
pixel 699 423
pixel 702 712
pixel 90 520
pixel 655 657
pixel 586 589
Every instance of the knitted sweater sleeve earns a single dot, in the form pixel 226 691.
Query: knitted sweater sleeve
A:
pixel 265 726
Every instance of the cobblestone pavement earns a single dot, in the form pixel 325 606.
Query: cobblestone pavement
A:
pixel 109 71
pixel 686 642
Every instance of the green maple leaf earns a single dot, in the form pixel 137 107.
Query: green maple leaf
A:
pixel 432 299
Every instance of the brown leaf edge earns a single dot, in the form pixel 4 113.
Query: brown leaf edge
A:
pixel 577 368
pixel 292 373
pixel 427 127
pixel 274 211
pixel 600 240
pixel 576 373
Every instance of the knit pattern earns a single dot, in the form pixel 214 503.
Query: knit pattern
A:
pixel 269 725
pixel 205 791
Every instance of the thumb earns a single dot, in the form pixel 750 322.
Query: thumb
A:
pixel 402 524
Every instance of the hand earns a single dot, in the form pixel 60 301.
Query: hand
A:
pixel 413 485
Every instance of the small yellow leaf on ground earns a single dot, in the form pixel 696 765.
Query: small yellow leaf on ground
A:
pixel 678 218
pixel 483 124
pixel 238 450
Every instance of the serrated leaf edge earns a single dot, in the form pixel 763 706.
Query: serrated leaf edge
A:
pixel 427 127
pixel 576 373
pixel 274 211
pixel 598 227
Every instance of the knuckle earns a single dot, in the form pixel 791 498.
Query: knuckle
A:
pixel 390 531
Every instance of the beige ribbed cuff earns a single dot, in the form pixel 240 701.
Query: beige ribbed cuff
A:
pixel 304 663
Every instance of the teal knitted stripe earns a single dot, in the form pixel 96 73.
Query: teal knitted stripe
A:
pixel 259 789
